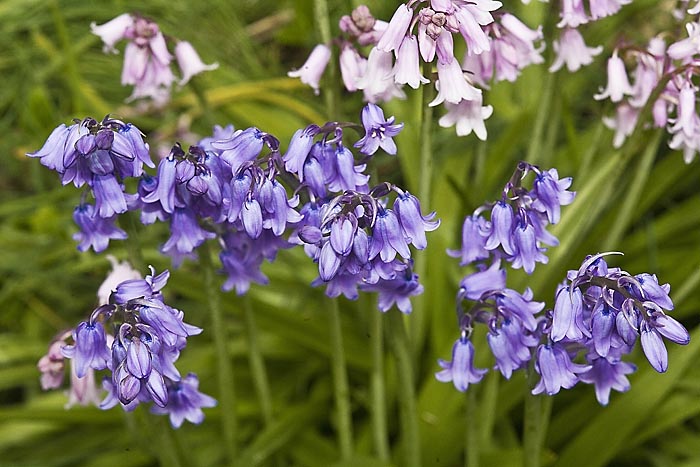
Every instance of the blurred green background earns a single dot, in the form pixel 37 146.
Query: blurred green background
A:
pixel 642 200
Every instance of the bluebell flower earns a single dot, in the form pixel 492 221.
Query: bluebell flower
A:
pixel 413 223
pixel 556 369
pixel 396 291
pixel 388 238
pixel 243 146
pixel 607 374
pixel 550 193
pixel 502 222
pixel 473 286
pixel 475 231
pixel 141 358
pixel 299 148
pixel 95 231
pixel 567 318
pixel 185 402
pixel 90 348
pixel 92 148
pixel 379 131
pixel 518 222
pixel 511 345
pixel 461 370
pixel 241 262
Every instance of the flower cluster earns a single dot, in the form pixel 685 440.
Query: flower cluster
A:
pixel 137 338
pixel 426 30
pixel 665 74
pixel 570 48
pixel 348 229
pixel 233 186
pixel 147 60
pixel 599 314
pixel 518 221
pixel 100 155
pixel 357 240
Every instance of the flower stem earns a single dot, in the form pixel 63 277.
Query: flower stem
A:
pixel 471 456
pixel 406 391
pixel 377 385
pixel 340 381
pixel 257 364
pixel 323 23
pixel 223 360
pixel 537 411
pixel 418 318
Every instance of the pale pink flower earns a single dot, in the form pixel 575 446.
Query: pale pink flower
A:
pixel 397 29
pixel 407 66
pixel 572 51
pixel 618 84
pixel 112 31
pixel 452 85
pixel 189 61
pixel 352 66
pixel 624 122
pixel 311 71
pixel 467 116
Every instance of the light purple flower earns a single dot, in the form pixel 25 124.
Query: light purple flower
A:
pixel 556 370
pixel 407 67
pixel 460 370
pixel 618 84
pixel 90 348
pixel 607 375
pixel 185 402
pixel 395 32
pixel 379 131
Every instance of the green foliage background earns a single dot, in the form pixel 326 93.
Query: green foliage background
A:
pixel 641 200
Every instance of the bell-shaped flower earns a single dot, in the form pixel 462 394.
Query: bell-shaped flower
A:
pixel 189 62
pixel 311 71
pixel 460 370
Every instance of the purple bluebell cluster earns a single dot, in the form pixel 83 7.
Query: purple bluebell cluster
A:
pixel 99 155
pixel 358 241
pixel 136 338
pixel 517 227
pixel 233 186
pixel 599 314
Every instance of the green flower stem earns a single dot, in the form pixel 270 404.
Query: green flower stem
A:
pixel 534 152
pixel 418 318
pixel 536 420
pixel 377 385
pixel 330 90
pixel 406 390
pixel 471 456
pixel 224 368
pixel 257 363
pixel 340 381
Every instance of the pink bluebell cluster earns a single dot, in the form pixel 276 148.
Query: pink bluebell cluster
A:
pixel 147 60
pixel 666 73
pixel 498 46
